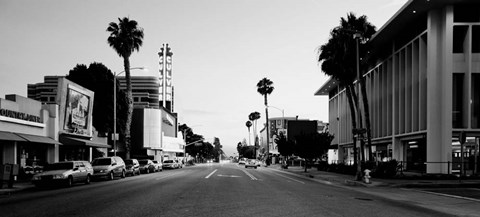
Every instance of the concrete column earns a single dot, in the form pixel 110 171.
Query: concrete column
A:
pixel 439 89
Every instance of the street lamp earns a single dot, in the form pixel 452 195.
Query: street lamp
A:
pixel 282 110
pixel 358 36
pixel 115 107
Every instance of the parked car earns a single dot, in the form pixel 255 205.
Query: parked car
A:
pixel 251 163
pixel 132 167
pixel 108 167
pixel 170 164
pixel 241 161
pixel 146 166
pixel 158 165
pixel 66 173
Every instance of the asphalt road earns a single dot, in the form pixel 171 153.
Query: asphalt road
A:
pixel 205 190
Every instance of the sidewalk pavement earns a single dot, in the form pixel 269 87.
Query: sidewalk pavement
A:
pixel 377 182
pixel 400 190
pixel 17 186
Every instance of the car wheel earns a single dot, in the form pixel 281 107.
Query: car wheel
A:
pixel 87 181
pixel 110 176
pixel 70 181
pixel 123 174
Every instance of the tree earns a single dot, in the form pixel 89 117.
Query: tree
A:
pixel 338 60
pixel 265 87
pixel 99 79
pixel 312 146
pixel 253 117
pixel 285 147
pixel 248 124
pixel 125 38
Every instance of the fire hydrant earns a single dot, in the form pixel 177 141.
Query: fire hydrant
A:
pixel 366 177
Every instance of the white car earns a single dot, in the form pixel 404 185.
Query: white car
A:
pixel 241 161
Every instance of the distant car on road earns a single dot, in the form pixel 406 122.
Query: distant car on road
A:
pixel 251 163
pixel 108 167
pixel 158 165
pixel 146 166
pixel 170 164
pixel 66 173
pixel 132 167
pixel 241 161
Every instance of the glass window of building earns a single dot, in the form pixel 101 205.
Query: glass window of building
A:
pixel 475 39
pixel 466 13
pixel 457 98
pixel 459 37
pixel 475 100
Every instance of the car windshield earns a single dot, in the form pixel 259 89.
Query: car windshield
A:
pixel 155 162
pixel 59 166
pixel 143 162
pixel 128 161
pixel 168 161
pixel 101 161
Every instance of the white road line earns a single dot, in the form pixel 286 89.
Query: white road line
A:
pixel 250 175
pixel 210 174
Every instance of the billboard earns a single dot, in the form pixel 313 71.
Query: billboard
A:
pixel 76 107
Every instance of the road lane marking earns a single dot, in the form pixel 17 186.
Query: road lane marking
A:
pixel 250 175
pixel 232 176
pixel 210 174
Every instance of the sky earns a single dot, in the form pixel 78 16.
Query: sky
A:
pixel 221 49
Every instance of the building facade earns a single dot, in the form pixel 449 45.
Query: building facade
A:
pixel 424 89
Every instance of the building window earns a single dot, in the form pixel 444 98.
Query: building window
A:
pixel 457 98
pixel 475 39
pixel 475 100
pixel 459 37
pixel 466 13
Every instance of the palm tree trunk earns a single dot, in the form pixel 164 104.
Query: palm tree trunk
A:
pixel 267 129
pixel 128 124
pixel 367 117
pixel 351 103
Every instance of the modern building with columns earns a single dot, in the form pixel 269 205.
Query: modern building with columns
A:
pixel 423 90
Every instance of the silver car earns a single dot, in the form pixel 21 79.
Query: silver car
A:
pixel 108 167
pixel 65 173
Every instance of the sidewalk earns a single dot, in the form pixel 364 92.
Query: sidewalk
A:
pixel 376 182
pixel 395 190
pixel 17 186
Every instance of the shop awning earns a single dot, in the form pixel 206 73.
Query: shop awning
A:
pixel 38 139
pixel 8 136
pixel 66 140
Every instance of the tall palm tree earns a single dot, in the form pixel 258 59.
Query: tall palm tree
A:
pixel 125 38
pixel 253 117
pixel 338 59
pixel 249 124
pixel 265 87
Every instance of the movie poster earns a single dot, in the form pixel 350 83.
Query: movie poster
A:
pixel 77 109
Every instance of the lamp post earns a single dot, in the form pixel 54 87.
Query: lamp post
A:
pixel 357 36
pixel 115 107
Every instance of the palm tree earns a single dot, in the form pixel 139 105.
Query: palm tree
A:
pixel 253 117
pixel 248 124
pixel 338 59
pixel 265 87
pixel 125 38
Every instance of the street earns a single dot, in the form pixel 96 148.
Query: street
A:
pixel 205 190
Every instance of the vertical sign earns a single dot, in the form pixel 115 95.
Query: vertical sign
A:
pixel 168 74
pixel 161 62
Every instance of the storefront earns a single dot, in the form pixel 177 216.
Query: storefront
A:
pixel 76 133
pixel 27 133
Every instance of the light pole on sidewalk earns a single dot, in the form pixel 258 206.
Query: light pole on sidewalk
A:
pixel 115 107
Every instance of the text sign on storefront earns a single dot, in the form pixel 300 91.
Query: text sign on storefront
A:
pixel 20 118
